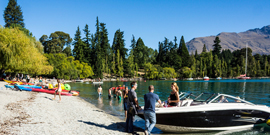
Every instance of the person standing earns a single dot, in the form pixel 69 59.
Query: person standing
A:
pixel 99 90
pixel 125 96
pixel 21 77
pixel 28 78
pixel 150 100
pixel 110 93
pixel 59 90
pixel 132 105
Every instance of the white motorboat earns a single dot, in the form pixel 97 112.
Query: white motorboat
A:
pixel 210 112
pixel 97 82
pixel 79 80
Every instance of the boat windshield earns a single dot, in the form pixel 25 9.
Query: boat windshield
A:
pixel 186 95
pixel 224 98
pixel 205 97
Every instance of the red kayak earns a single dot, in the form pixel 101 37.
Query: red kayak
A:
pixel 65 90
pixel 53 91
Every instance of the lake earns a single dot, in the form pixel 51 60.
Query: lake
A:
pixel 254 90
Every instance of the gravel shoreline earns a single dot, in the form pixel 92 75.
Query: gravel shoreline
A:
pixel 30 113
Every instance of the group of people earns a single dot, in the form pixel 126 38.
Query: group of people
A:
pixel 41 82
pixel 131 104
pixel 150 99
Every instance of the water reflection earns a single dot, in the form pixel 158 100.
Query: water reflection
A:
pixel 244 90
pixel 100 102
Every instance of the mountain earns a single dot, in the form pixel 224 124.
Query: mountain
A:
pixel 258 40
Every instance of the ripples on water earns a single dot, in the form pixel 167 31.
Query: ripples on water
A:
pixel 255 91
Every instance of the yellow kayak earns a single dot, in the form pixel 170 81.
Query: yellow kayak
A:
pixel 13 82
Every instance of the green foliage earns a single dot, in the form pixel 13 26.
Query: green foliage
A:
pixel 56 42
pixel 131 65
pixel 183 51
pixel 204 48
pixel 67 51
pixel 143 54
pixel 217 47
pixel 151 71
pixel 15 47
pixel 186 72
pixel 79 47
pixel 67 67
pixel 120 64
pixel 13 14
pixel 169 72
pixel 119 44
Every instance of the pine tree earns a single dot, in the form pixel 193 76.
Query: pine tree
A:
pixel 133 43
pixel 184 53
pixel 119 44
pixel 175 43
pixel 197 55
pixel 204 48
pixel 217 47
pixel 141 54
pixel 79 46
pixel 98 51
pixel 104 41
pixel 160 53
pixel 13 14
pixel 88 48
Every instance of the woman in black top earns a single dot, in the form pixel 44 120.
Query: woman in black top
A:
pixel 125 96
pixel 173 100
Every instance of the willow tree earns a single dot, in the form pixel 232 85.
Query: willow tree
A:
pixel 21 53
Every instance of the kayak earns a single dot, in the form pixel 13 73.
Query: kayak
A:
pixel 9 86
pixel 17 82
pixel 30 86
pixel 52 91
pixel 25 88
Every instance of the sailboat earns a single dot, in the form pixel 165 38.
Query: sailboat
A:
pixel 245 75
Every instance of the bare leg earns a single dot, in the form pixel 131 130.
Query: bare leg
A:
pixel 125 115
pixel 54 95
pixel 59 96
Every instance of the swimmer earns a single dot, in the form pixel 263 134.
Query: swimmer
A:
pixel 99 90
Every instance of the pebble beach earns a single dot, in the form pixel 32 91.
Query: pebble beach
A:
pixel 29 113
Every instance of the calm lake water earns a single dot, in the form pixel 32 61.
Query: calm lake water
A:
pixel 255 91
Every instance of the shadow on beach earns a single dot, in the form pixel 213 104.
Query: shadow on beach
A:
pixel 118 126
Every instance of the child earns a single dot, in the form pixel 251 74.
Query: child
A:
pixel 59 90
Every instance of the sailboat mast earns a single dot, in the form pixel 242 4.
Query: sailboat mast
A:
pixel 246 61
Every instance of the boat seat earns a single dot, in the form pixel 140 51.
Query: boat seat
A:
pixel 186 102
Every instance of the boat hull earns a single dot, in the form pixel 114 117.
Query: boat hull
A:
pixel 212 120
pixel 244 78
pixel 97 82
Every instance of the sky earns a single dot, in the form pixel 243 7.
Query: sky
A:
pixel 152 20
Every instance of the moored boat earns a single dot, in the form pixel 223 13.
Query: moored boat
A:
pixel 206 78
pixel 210 112
pixel 79 81
pixel 244 76
pixel 97 82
